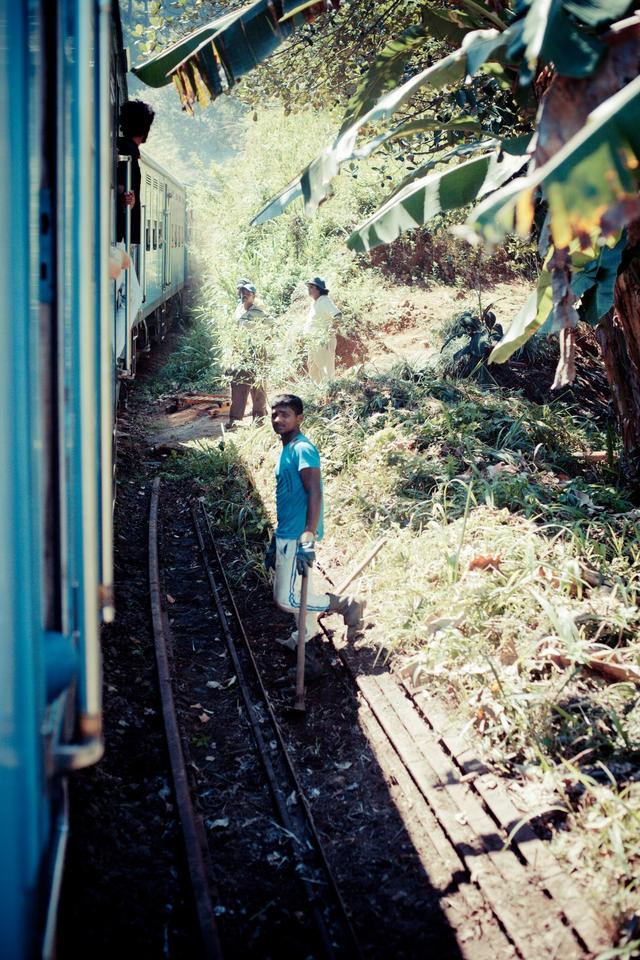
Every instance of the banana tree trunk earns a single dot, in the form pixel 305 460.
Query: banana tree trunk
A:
pixel 619 339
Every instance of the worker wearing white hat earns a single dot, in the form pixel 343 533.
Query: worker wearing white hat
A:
pixel 320 331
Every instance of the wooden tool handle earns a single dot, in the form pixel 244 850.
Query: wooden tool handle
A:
pixel 302 636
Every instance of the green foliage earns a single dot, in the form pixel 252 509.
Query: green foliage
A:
pixel 194 364
pixel 280 256
pixel 425 197
pixel 588 178
pixel 316 180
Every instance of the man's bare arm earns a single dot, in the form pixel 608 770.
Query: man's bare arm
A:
pixel 310 477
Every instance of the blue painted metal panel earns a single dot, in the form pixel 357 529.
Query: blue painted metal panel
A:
pixel 79 271
pixel 23 806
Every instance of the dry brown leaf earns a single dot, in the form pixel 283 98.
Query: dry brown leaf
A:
pixel 204 718
pixel 550 578
pixel 487 562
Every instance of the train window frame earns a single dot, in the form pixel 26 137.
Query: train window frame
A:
pixel 154 219
pixel 147 213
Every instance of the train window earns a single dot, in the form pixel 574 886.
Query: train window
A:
pixel 154 215
pixel 148 199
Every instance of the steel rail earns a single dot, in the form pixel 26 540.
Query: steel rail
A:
pixel 192 829
pixel 279 796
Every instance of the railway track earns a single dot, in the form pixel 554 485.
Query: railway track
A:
pixel 324 928
pixel 484 886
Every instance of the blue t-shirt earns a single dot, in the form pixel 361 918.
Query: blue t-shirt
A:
pixel 291 497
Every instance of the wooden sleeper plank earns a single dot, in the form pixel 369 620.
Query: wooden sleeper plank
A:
pixel 497 871
pixel 556 881
pixel 463 907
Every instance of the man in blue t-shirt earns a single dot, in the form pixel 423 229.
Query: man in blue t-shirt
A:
pixel 299 506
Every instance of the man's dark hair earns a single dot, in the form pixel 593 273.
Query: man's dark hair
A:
pixel 288 400
pixel 136 118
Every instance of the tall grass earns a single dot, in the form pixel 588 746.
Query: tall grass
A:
pixel 282 254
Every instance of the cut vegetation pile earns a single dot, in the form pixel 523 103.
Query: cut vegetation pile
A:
pixel 509 584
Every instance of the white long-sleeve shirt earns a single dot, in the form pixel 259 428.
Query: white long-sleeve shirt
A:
pixel 319 318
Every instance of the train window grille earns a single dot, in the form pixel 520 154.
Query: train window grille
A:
pixel 147 224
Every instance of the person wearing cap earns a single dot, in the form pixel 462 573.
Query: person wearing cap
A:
pixel 248 317
pixel 319 328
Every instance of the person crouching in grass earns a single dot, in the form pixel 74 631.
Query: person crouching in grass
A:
pixel 300 514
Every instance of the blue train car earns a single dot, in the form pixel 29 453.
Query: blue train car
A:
pixel 161 264
pixel 63 79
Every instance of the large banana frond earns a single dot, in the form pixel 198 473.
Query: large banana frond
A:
pixel 548 34
pixel 315 181
pixel 212 58
pixel 595 13
pixel 591 184
pixel 428 196
pixel 592 282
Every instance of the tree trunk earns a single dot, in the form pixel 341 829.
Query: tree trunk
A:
pixel 619 338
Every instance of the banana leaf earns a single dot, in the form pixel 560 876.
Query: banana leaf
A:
pixel 155 71
pixel 590 185
pixel 597 13
pixel 213 57
pixel 593 281
pixel 315 181
pixel 428 196
pixel 547 33
pixel 385 73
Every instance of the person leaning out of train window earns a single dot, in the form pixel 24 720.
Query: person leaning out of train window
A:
pixel 320 332
pixel 249 355
pixel 136 118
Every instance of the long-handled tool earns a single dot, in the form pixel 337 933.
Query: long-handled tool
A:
pixel 299 705
pixel 375 550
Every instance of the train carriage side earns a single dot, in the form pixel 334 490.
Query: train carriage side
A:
pixel 162 262
pixel 64 65
pixel 56 411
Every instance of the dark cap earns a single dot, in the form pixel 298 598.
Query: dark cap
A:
pixel 319 283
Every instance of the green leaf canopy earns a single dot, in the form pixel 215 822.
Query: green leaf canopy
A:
pixel 315 181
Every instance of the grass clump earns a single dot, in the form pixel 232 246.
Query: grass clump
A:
pixel 194 364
